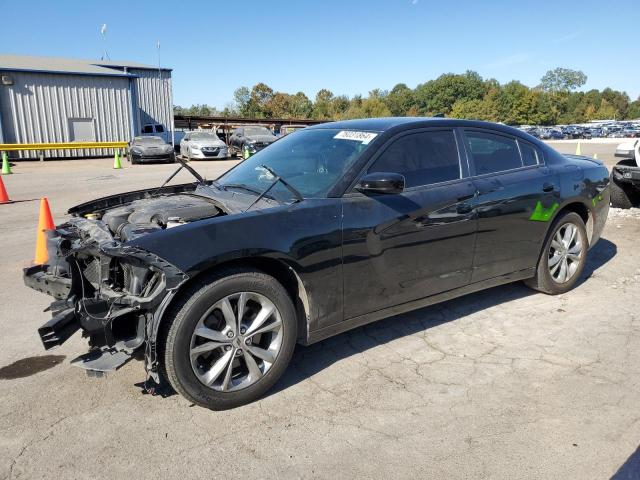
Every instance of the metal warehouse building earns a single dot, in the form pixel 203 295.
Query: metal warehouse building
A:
pixel 55 100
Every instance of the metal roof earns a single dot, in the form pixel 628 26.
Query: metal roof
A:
pixel 25 63
pixel 119 63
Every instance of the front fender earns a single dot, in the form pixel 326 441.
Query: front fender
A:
pixel 305 238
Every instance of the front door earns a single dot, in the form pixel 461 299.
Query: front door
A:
pixel 399 248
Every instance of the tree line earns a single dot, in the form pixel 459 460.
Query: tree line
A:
pixel 556 100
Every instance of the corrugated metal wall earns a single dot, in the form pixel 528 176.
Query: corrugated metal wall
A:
pixel 38 107
pixel 153 98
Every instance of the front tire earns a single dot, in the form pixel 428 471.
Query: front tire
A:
pixel 228 339
pixel 563 256
pixel 623 196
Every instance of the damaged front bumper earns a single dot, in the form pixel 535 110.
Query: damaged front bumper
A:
pixel 113 292
pixel 626 174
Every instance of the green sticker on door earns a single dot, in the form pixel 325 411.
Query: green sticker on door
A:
pixel 541 214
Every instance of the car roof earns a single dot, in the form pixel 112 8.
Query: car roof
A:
pixel 387 123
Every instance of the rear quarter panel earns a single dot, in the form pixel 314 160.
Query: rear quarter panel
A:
pixel 585 181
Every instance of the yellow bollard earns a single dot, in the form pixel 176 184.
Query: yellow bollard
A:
pixel 595 156
pixel 578 149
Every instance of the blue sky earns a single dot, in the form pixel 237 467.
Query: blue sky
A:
pixel 349 47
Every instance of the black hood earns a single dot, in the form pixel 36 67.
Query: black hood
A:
pixel 133 214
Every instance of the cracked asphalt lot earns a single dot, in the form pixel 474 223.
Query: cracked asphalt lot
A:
pixel 501 384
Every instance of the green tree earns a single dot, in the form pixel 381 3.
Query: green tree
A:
pixel 338 106
pixel 633 112
pixel 438 96
pixel 467 95
pixel 261 95
pixel 322 105
pixel 605 111
pixel 514 103
pixel 618 100
pixel 400 100
pixel 241 97
pixel 301 106
pixel 475 109
pixel 562 80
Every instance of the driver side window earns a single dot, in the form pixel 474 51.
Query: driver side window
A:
pixel 424 158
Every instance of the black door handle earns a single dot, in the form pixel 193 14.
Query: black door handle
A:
pixel 548 187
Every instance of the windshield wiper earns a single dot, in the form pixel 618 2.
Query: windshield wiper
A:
pixel 241 186
pixel 295 192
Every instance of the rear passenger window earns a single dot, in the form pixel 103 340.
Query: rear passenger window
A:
pixel 529 154
pixel 423 158
pixel 492 153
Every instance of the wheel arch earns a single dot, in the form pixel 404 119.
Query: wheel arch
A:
pixel 575 206
pixel 285 274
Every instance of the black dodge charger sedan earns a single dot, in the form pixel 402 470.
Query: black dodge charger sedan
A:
pixel 329 228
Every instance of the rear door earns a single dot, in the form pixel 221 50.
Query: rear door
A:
pixel 516 198
pixel 399 248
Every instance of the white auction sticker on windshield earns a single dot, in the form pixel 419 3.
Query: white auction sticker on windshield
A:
pixel 362 137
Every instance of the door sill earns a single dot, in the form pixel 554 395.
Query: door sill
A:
pixel 360 320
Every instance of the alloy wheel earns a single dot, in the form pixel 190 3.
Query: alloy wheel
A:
pixel 235 343
pixel 565 253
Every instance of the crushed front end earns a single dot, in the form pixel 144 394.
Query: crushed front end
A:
pixel 105 288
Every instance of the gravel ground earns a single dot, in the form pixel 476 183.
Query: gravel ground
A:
pixel 501 384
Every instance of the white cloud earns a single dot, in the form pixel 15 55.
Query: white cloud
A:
pixel 414 2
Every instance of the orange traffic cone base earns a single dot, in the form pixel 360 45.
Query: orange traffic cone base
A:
pixel 45 222
pixel 4 196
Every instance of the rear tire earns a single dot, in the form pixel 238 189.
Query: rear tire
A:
pixel 247 370
pixel 560 253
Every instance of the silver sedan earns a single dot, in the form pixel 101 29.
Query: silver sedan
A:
pixel 203 146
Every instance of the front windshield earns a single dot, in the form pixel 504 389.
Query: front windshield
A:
pixel 204 136
pixel 312 161
pixel 250 131
pixel 149 141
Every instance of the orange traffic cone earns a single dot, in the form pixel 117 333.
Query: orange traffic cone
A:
pixel 4 197
pixel 45 222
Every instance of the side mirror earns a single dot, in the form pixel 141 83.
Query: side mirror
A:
pixel 381 182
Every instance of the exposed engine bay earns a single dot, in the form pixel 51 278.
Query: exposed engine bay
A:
pixel 141 217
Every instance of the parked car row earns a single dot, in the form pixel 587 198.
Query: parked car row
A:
pixel 600 130
pixel 203 144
